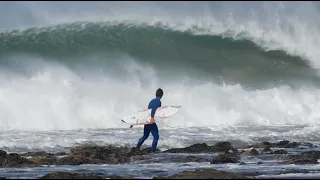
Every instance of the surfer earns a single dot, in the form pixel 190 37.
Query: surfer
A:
pixel 152 127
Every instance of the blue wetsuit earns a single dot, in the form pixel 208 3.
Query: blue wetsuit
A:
pixel 153 128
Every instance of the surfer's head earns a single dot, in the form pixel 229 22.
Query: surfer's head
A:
pixel 159 93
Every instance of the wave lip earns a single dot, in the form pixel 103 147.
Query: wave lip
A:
pixel 234 56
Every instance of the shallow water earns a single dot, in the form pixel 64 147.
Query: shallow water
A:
pixel 57 141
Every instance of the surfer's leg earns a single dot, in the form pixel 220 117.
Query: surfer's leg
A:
pixel 146 132
pixel 155 134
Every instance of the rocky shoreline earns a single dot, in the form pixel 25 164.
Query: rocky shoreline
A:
pixel 219 153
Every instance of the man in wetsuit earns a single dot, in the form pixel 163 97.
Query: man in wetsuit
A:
pixel 152 127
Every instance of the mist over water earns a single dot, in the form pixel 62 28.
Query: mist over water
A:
pixel 85 65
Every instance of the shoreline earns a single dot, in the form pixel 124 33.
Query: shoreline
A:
pixel 221 153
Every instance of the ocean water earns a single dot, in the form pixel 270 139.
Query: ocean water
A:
pixel 242 72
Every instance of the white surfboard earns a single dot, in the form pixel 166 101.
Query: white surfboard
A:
pixel 144 116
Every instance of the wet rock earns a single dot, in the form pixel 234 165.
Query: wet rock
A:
pixel 88 154
pixel 15 160
pixel 45 160
pixel 137 152
pixel 188 159
pixel 292 145
pixel 260 162
pixel 61 154
pixel 225 147
pixel 301 160
pixel 67 175
pixel 33 154
pixel 311 154
pixel 195 148
pixel 120 177
pixel 206 173
pixel 282 143
pixel 262 145
pixel 242 163
pixel 281 151
pixel 253 152
pixel 289 171
pixel 267 150
pixel 225 158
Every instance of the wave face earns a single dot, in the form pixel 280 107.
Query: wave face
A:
pixel 243 64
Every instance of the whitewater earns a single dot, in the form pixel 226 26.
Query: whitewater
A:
pixel 242 72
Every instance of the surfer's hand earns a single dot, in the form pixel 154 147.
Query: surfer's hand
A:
pixel 152 120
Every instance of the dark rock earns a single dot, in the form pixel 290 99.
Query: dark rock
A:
pixel 136 152
pixel 311 154
pixel 15 160
pixel 120 177
pixel 206 173
pixel 61 154
pixel 289 171
pixel 195 148
pixel 224 158
pixel 67 175
pixel 282 143
pixel 253 152
pixel 267 150
pixel 242 163
pixel 259 162
pixel 44 160
pixel 88 154
pixel 307 144
pixel 188 159
pixel 33 154
pixel 3 153
pixel 261 145
pixel 301 161
pixel 281 151
pixel 225 147
pixel 292 145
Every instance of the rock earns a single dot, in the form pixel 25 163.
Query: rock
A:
pixel 292 145
pixel 195 148
pixel 224 158
pixel 262 145
pixel 294 171
pixel 281 151
pixel 120 177
pixel 15 160
pixel 188 159
pixel 301 161
pixel 88 154
pixel 33 154
pixel 225 147
pixel 45 160
pixel 253 152
pixel 136 152
pixel 206 173
pixel 260 162
pixel 242 163
pixel 311 154
pixel 67 175
pixel 282 143
pixel 61 154
pixel 267 150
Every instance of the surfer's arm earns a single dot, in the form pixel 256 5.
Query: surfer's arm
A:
pixel 153 111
